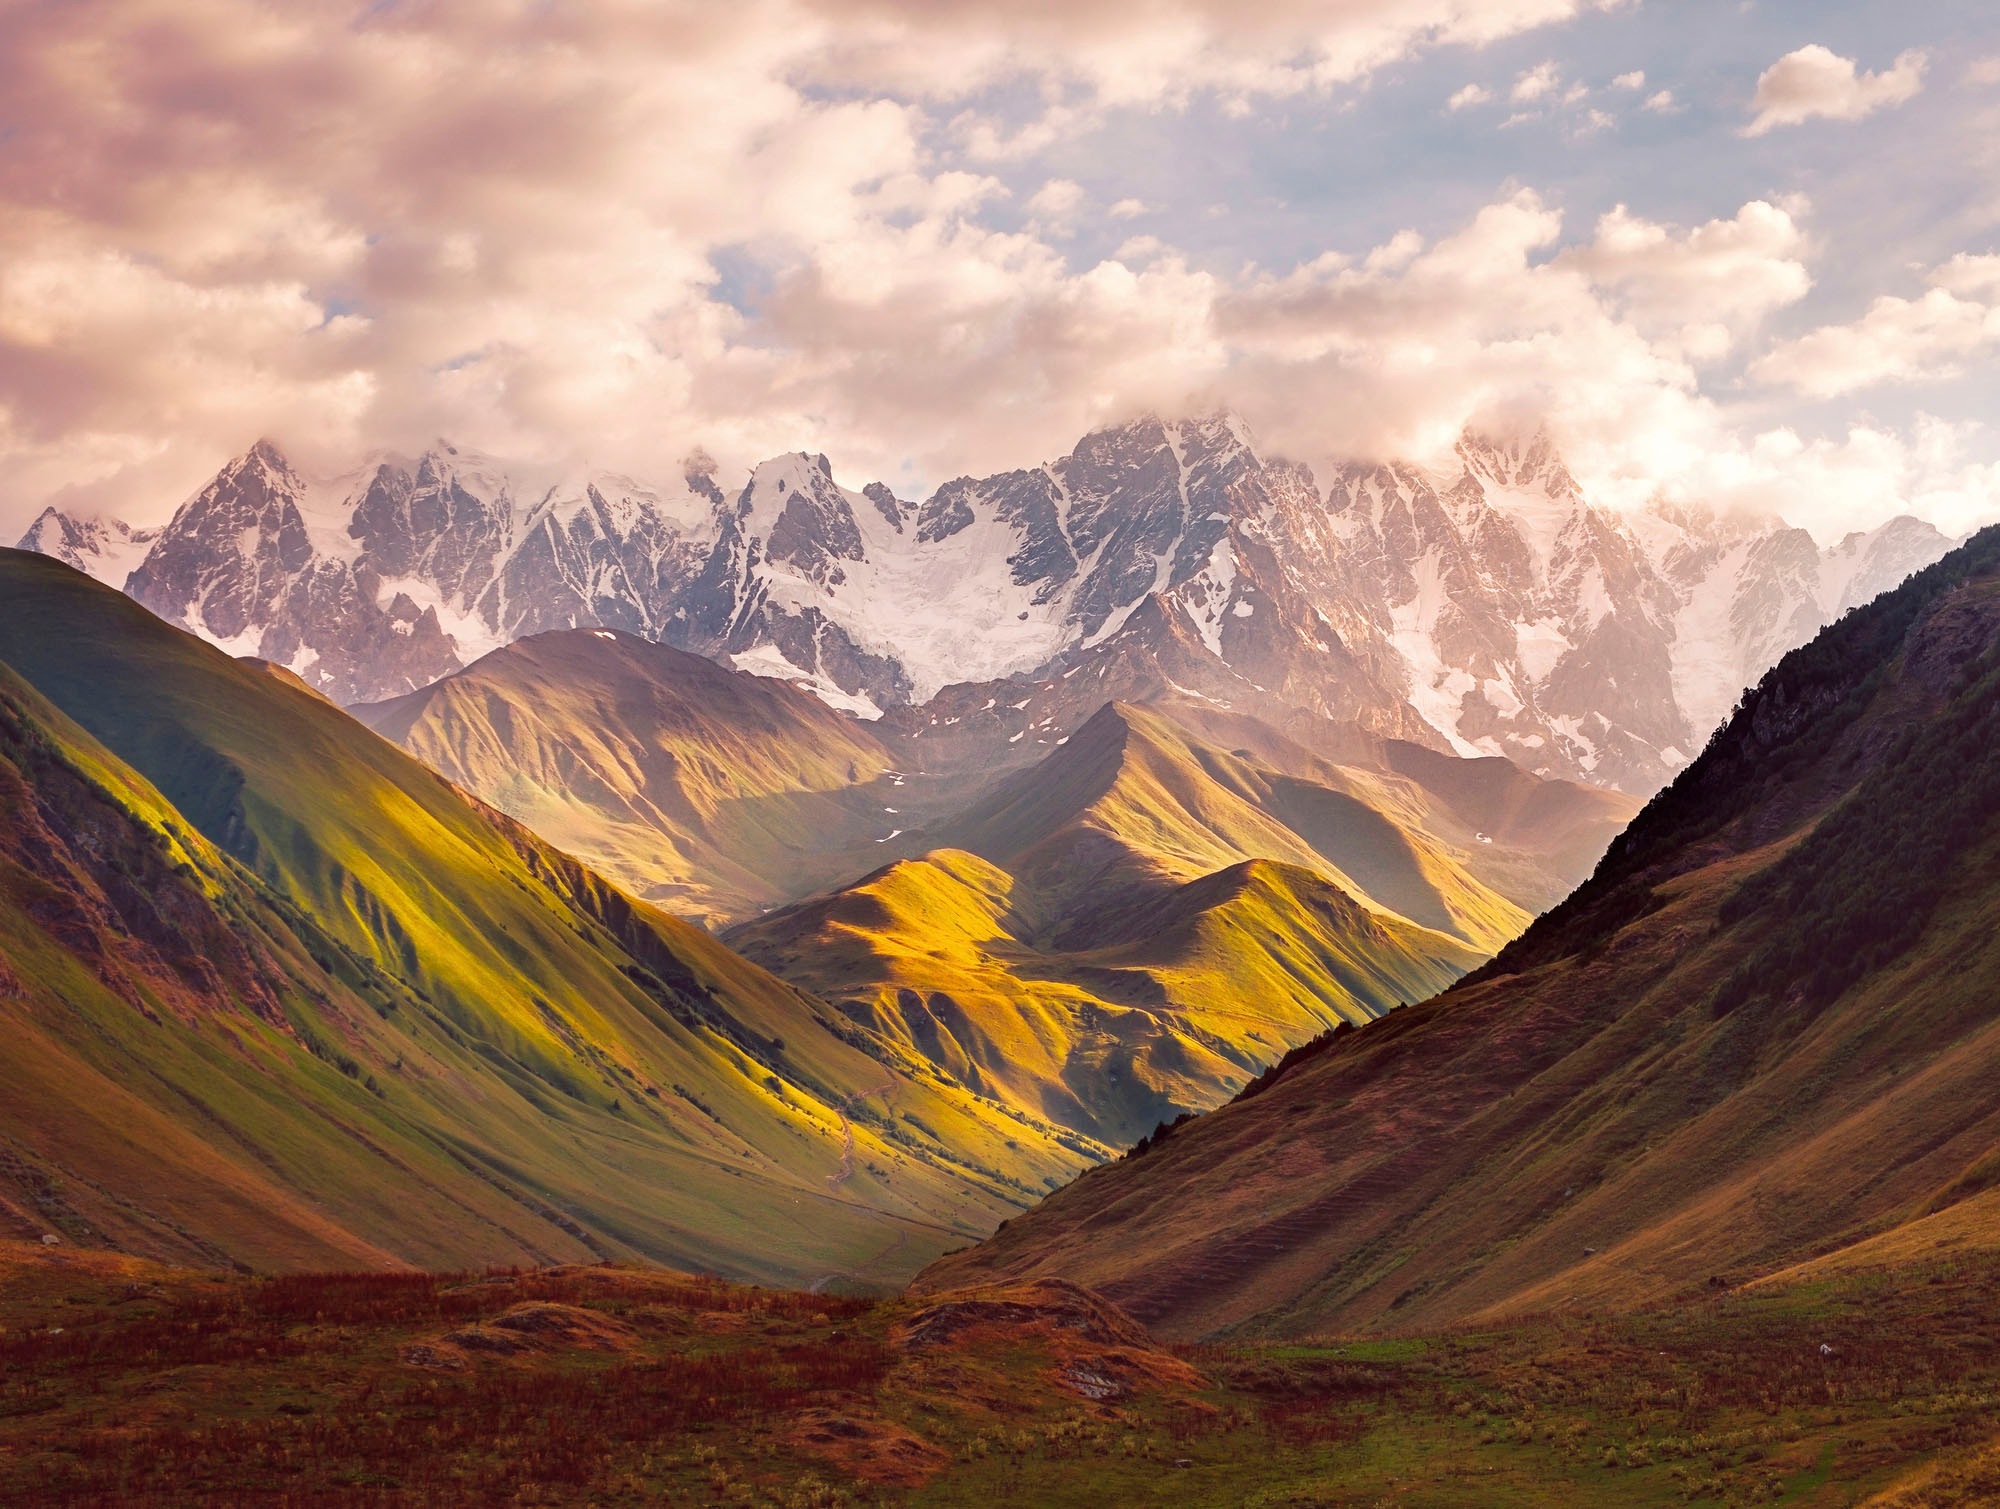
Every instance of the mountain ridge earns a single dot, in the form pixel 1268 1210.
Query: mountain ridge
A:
pixel 454 1044
pixel 692 784
pixel 1761 1034
pixel 1493 611
pixel 1114 936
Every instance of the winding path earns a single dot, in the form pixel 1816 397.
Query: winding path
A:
pixel 846 1170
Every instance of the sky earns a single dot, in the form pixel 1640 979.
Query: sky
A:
pixel 1739 255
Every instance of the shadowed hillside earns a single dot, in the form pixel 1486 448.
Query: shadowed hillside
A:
pixel 1762 1033
pixel 705 789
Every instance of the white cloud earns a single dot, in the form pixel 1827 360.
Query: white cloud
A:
pixel 1392 356
pixel 1660 103
pixel 628 229
pixel 1535 83
pixel 1636 79
pixel 1926 339
pixel 1128 209
pixel 1054 205
pixel 1696 292
pixel 1981 72
pixel 1162 52
pixel 1970 275
pixel 1470 95
pixel 1832 485
pixel 1814 81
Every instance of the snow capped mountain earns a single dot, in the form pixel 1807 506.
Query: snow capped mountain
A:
pixel 104 548
pixel 384 579
pixel 1484 608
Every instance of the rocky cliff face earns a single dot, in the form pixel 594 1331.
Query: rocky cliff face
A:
pixel 1485 608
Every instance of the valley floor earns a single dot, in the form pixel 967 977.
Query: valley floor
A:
pixel 131 1384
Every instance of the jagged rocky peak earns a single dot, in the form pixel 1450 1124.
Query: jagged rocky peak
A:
pixel 96 544
pixel 1522 459
pixel 1485 606
pixel 891 507
pixel 805 518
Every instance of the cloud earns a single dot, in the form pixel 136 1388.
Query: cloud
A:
pixel 622 230
pixel 1833 484
pixel 1160 53
pixel 1054 206
pixel 1392 354
pixel 1470 95
pixel 1696 292
pixel 1636 79
pixel 1926 339
pixel 1814 81
pixel 1970 275
pixel 1535 83
pixel 1661 102
pixel 1128 209
pixel 596 226
pixel 1981 72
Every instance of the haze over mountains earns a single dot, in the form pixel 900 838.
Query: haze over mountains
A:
pixel 1484 609
pixel 1757 1043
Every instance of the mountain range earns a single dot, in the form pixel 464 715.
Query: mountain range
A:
pixel 1699 1164
pixel 1755 1048
pixel 1064 937
pixel 273 982
pixel 1486 608
pixel 1688 1195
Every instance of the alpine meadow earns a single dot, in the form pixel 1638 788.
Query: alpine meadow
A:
pixel 858 754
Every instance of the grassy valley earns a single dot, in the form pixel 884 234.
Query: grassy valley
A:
pixel 1129 928
pixel 278 995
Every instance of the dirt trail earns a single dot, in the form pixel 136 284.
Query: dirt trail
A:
pixel 818 1285
pixel 846 1170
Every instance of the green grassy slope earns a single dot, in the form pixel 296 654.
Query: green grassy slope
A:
pixel 1139 935
pixel 1530 839
pixel 1763 1032
pixel 1132 800
pixel 716 793
pixel 448 1041
pixel 1178 1001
